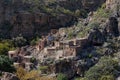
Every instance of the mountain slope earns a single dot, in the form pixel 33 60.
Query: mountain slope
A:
pixel 30 17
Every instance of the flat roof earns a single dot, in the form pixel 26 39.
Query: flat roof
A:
pixel 66 41
pixel 12 52
pixel 28 56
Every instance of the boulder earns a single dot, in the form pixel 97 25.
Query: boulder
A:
pixel 112 27
pixel 96 37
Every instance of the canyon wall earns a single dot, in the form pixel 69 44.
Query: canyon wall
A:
pixel 16 17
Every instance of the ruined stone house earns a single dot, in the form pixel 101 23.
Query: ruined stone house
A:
pixel 65 48
pixel 21 58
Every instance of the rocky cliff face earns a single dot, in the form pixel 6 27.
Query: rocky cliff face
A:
pixel 114 20
pixel 19 17
pixel 82 4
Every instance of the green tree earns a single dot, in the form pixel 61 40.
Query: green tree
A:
pixel 4 48
pixel 105 66
pixel 6 64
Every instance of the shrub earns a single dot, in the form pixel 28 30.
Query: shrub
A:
pixel 93 25
pixel 34 41
pixel 61 77
pixel 81 79
pixel 77 13
pixel 32 60
pixel 43 67
pixel 105 66
pixel 85 30
pixel 19 41
pixel 70 35
pixel 5 46
pixel 108 77
pixel 20 72
pixel 32 75
pixel 102 12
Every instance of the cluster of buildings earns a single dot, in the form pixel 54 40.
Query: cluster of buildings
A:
pixel 22 58
pixel 61 49
pixel 47 47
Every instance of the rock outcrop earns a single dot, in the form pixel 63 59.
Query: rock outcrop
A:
pixel 112 27
pixel 115 17
pixel 9 76
pixel 91 4
pixel 82 4
pixel 70 67
pixel 96 37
